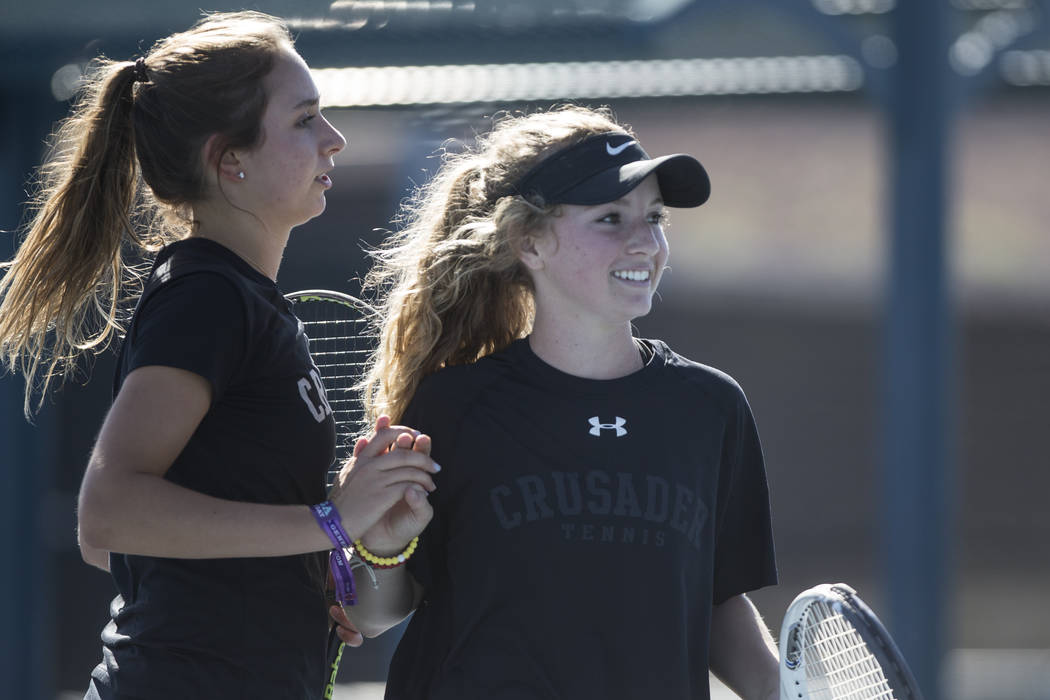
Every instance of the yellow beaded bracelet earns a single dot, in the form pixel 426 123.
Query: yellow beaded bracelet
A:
pixel 385 562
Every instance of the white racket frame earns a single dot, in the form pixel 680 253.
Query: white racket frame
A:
pixel 793 675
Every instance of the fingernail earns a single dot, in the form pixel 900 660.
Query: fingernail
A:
pixel 437 467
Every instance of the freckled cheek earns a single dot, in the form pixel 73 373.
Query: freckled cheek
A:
pixel 665 253
pixel 290 159
pixel 297 168
pixel 661 262
pixel 578 262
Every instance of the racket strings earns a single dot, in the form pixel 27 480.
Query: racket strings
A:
pixel 340 343
pixel 836 660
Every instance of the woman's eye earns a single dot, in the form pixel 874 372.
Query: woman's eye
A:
pixel 610 219
pixel 659 218
pixel 305 120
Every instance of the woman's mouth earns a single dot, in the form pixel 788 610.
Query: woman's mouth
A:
pixel 631 275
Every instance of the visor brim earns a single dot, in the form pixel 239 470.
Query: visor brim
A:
pixel 682 179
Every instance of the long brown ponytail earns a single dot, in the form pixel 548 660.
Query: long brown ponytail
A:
pixel 64 291
pixel 63 284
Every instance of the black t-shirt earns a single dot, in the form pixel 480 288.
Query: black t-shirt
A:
pixel 241 627
pixel 583 529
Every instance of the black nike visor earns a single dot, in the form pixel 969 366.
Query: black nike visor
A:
pixel 604 167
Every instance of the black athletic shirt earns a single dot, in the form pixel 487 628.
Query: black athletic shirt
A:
pixel 583 530
pixel 225 628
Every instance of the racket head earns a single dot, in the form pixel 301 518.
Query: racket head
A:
pixel 340 337
pixel 833 647
pixel 341 341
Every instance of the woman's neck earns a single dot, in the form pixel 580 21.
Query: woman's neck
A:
pixel 602 354
pixel 252 243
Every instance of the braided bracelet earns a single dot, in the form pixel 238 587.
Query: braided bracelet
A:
pixel 332 524
pixel 386 562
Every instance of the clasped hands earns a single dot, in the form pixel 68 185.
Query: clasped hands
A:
pixel 381 493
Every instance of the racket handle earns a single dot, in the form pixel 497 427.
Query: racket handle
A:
pixel 334 656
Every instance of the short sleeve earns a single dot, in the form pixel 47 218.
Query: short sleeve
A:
pixel 421 414
pixel 438 409
pixel 744 554
pixel 196 322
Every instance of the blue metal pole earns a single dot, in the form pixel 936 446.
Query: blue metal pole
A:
pixel 20 548
pixel 917 480
pixel 26 465
pixel 26 622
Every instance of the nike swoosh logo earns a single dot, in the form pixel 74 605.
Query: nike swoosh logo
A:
pixel 618 150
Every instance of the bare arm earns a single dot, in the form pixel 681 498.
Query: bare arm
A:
pixel 743 654
pixel 127 506
pixel 378 609
pixel 96 557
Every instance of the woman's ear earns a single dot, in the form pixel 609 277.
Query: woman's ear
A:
pixel 529 253
pixel 538 245
pixel 220 160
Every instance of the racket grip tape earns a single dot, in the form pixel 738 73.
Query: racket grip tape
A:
pixel 334 656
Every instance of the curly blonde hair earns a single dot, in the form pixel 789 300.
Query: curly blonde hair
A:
pixel 449 284
pixel 74 272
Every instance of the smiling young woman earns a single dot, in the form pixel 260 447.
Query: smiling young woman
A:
pixel 596 271
pixel 603 510
pixel 201 493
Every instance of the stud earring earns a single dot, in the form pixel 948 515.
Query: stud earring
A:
pixel 240 175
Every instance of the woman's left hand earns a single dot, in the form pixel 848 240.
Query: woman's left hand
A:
pixel 408 517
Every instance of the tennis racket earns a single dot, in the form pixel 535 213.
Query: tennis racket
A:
pixel 833 647
pixel 340 339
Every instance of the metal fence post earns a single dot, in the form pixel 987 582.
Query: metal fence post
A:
pixel 917 466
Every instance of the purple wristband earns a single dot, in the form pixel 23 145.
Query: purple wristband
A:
pixel 345 591
pixel 328 518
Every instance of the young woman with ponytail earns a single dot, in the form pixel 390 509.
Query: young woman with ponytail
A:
pixel 205 489
pixel 604 508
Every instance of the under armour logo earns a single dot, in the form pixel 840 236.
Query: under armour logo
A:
pixel 618 149
pixel 597 426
